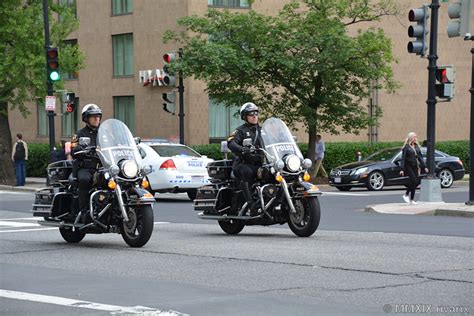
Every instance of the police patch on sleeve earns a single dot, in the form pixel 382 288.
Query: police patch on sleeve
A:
pixel 232 136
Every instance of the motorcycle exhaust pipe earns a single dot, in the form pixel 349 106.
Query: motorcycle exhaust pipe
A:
pixel 118 192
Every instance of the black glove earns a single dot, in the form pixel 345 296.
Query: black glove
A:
pixel 246 151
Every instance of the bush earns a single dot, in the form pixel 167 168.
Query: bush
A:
pixel 336 153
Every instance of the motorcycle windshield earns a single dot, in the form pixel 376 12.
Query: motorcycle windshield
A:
pixel 278 140
pixel 115 143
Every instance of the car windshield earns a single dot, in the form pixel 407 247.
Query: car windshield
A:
pixel 385 154
pixel 170 151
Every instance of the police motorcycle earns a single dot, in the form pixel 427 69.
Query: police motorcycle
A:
pixel 119 201
pixel 281 188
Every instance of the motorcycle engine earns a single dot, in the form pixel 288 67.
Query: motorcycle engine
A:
pixel 269 191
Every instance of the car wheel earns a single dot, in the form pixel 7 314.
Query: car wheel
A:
pixel 375 181
pixel 344 188
pixel 192 194
pixel 446 178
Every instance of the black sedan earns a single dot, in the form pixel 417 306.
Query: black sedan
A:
pixel 383 169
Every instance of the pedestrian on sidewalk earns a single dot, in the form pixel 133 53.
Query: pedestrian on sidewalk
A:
pixel 319 157
pixel 19 157
pixel 412 163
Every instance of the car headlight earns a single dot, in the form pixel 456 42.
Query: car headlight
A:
pixel 130 169
pixel 360 170
pixel 293 163
pixel 114 170
pixel 147 169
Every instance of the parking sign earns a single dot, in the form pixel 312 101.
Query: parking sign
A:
pixel 50 103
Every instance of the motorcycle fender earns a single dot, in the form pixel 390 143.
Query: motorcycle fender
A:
pixel 309 190
pixel 139 196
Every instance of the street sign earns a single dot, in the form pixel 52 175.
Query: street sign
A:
pixel 50 104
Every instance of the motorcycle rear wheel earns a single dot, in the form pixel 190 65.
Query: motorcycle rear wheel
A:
pixel 306 220
pixel 231 227
pixel 71 235
pixel 137 231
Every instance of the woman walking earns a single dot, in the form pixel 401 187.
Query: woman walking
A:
pixel 411 164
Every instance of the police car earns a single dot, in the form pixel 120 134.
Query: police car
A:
pixel 175 168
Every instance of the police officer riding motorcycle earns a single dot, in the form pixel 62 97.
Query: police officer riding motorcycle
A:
pixel 104 190
pixel 265 184
pixel 247 162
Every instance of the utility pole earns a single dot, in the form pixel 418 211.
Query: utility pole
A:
pixel 49 85
pixel 471 141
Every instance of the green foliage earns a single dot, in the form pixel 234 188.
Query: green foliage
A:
pixel 38 159
pixel 22 51
pixel 301 65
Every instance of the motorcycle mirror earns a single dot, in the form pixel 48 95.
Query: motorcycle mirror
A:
pixel 84 141
pixel 138 140
pixel 224 148
pixel 247 142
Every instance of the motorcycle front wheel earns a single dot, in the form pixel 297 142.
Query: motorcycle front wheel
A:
pixel 137 231
pixel 231 227
pixel 71 235
pixel 305 221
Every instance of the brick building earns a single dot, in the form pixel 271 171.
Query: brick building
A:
pixel 122 37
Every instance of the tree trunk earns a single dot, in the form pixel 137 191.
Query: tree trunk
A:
pixel 7 174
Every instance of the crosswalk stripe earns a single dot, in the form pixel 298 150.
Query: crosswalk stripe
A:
pixel 56 300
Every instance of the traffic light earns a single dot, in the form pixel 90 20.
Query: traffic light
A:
pixel 169 99
pixel 419 31
pixel 169 78
pixel 445 82
pixel 68 100
pixel 52 64
pixel 460 13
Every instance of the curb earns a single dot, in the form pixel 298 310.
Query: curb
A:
pixel 435 211
pixel 15 188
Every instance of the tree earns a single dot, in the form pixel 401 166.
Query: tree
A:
pixel 23 66
pixel 301 65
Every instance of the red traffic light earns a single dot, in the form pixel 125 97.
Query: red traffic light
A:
pixel 169 57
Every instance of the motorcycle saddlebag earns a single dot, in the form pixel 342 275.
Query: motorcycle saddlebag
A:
pixel 220 169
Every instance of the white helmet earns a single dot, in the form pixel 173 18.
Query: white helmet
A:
pixel 90 109
pixel 246 108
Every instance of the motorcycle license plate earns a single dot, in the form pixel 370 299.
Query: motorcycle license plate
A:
pixel 337 180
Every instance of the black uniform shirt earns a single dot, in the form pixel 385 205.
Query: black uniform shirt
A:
pixel 236 138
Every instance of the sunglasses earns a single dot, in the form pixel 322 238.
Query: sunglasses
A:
pixel 253 113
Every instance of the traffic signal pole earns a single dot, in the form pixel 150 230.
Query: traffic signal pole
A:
pixel 471 141
pixel 181 101
pixel 49 85
pixel 430 187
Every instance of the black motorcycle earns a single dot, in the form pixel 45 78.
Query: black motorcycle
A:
pixel 119 201
pixel 282 189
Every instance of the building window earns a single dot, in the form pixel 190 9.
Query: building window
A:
pixel 120 7
pixel 42 118
pixel 123 54
pixel 229 3
pixel 70 75
pixel 124 110
pixel 69 122
pixel 222 121
pixel 69 4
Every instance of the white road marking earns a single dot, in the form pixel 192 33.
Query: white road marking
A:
pixel 17 224
pixel 343 193
pixel 113 309
pixel 20 219
pixel 27 230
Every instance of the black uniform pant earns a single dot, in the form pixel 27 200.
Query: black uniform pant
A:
pixel 247 174
pixel 413 180
pixel 84 177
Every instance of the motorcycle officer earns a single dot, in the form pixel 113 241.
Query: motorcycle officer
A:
pixel 85 167
pixel 247 162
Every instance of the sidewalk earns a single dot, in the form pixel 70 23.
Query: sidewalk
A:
pixel 423 208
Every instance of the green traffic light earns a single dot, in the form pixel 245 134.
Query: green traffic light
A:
pixel 54 76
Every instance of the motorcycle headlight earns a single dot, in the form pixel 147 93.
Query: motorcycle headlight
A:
pixel 293 163
pixel 146 169
pixel 280 164
pixel 114 170
pixel 307 163
pixel 130 169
